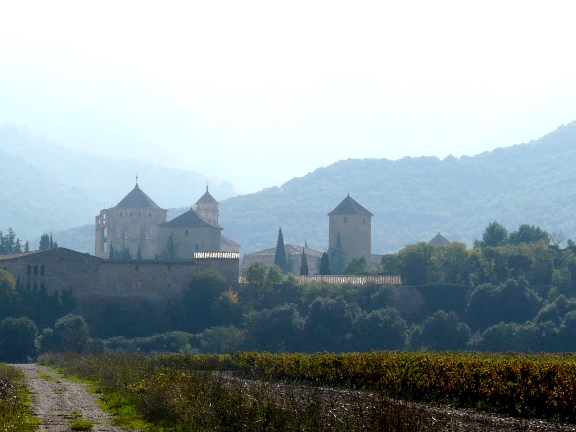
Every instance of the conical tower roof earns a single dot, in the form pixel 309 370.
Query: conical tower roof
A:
pixel 349 207
pixel 207 198
pixel 136 198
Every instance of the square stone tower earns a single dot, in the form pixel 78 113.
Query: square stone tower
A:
pixel 350 234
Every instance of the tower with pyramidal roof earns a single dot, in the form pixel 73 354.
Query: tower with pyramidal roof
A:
pixel 350 232
pixel 133 223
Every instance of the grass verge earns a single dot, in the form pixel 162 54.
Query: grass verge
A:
pixel 15 415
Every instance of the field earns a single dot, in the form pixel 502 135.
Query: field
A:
pixel 261 391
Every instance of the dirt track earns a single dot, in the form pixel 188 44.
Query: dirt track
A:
pixel 57 401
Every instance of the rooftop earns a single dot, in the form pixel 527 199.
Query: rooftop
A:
pixel 136 198
pixel 349 206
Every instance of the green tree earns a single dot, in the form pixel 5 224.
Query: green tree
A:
pixel 358 266
pixel 7 293
pixel 494 235
pixel 112 254
pixel 441 331
pixel 324 265
pixel 139 253
pixel 415 263
pixel 70 334
pixel 511 301
pixel 44 242
pixel 171 250
pixel 529 234
pixel 17 339
pixel 337 259
pixel 304 264
pixel 200 299
pixel 382 329
pixel 280 258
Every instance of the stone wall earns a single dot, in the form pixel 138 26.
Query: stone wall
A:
pixel 191 239
pixel 90 277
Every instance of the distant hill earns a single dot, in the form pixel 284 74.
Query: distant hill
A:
pixel 412 198
pixel 45 187
pixel 415 198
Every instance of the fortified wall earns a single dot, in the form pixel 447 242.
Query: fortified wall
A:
pixel 91 277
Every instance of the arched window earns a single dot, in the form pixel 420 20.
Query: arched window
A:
pixel 29 270
pixel 42 270
pixel 35 270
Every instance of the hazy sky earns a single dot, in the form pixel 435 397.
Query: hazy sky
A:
pixel 260 92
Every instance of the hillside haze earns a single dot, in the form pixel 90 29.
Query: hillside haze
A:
pixel 415 198
pixel 412 198
pixel 46 187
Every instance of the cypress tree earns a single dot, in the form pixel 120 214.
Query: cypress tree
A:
pixel 280 255
pixel 324 265
pixel 139 253
pixel 337 260
pixel 304 264
pixel 44 242
pixel 26 247
pixel 112 253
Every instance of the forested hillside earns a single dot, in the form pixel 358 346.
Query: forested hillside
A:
pixel 414 198
pixel 52 189
pixel 45 187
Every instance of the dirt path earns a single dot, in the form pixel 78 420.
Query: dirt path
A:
pixel 57 401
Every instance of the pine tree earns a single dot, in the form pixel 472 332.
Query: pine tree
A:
pixel 17 247
pixel 51 246
pixel 324 265
pixel 304 264
pixel 280 255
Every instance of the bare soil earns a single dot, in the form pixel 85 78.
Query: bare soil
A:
pixel 56 401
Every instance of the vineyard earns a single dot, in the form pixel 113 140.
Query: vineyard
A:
pixel 207 391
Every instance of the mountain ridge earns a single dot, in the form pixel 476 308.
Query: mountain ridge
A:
pixel 412 198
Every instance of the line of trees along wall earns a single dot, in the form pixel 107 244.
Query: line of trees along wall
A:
pixel 508 295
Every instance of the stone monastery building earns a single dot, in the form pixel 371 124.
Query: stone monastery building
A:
pixel 138 223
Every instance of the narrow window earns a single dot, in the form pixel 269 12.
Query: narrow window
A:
pixel 35 270
pixel 29 271
pixel 345 219
pixel 130 214
pixel 28 286
pixel 150 215
pixel 42 270
pixel 137 268
pixel 364 220
pixel 139 214
pixel 186 233
pixel 121 214
pixel 35 287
